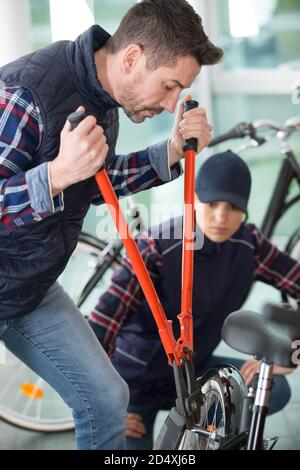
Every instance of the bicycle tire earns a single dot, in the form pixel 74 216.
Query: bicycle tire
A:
pixel 74 279
pixel 26 400
pixel 224 389
pixel 293 249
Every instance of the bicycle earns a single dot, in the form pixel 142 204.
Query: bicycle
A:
pixel 233 418
pixel 30 408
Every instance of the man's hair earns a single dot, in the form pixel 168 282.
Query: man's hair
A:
pixel 165 30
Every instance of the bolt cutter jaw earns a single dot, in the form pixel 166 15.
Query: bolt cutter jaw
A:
pixel 189 396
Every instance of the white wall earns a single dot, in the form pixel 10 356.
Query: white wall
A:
pixel 69 18
pixel 14 30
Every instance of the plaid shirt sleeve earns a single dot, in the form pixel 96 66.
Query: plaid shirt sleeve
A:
pixel 141 170
pixel 274 267
pixel 124 295
pixel 21 132
pixel 25 194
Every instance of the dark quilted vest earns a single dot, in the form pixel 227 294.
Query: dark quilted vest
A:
pixel 61 77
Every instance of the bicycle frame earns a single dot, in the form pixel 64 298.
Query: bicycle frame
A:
pixel 107 261
pixel 278 206
pixel 254 412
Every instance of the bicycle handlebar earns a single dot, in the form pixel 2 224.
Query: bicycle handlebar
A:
pixel 241 130
pixel 248 129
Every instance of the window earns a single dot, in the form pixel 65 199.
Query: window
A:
pixel 258 34
pixel 265 161
pixel 40 24
pixel 255 81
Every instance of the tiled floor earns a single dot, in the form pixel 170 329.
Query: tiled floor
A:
pixel 285 424
pixel 12 438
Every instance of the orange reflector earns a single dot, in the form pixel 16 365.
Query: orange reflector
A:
pixel 32 391
pixel 211 428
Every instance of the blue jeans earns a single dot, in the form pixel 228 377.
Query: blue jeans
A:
pixel 278 399
pixel 57 343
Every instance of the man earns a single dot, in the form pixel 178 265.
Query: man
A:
pixel 47 185
pixel 234 254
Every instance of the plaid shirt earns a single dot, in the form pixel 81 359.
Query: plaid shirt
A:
pixel 124 295
pixel 21 132
pixel 25 194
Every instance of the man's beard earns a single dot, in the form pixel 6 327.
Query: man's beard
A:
pixel 136 114
pixel 129 103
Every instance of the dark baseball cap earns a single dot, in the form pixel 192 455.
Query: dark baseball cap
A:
pixel 224 177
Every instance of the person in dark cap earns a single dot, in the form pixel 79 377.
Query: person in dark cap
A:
pixel 224 179
pixel 234 254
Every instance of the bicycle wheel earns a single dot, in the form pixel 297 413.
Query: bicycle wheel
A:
pixel 293 249
pixel 26 400
pixel 83 266
pixel 223 389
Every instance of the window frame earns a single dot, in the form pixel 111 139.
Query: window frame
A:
pixel 245 80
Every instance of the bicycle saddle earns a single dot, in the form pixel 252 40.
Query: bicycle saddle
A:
pixel 248 332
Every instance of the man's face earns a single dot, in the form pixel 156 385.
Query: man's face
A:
pixel 218 220
pixel 146 93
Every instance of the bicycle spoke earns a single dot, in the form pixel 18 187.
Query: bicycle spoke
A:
pixel 14 378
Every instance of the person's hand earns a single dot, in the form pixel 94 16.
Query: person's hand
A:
pixel 134 426
pixel 192 124
pixel 81 154
pixel 251 367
